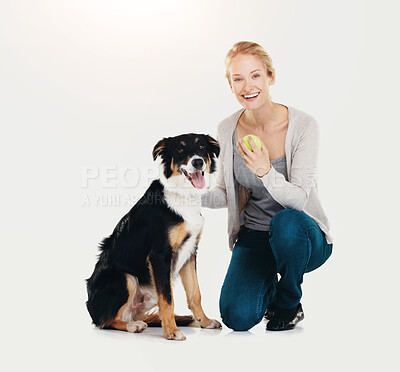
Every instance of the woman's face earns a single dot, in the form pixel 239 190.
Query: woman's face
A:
pixel 249 81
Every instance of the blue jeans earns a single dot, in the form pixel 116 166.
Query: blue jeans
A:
pixel 294 245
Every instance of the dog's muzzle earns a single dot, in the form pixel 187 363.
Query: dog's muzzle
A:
pixel 195 172
pixel 198 164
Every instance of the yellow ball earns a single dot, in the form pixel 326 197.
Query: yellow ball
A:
pixel 255 139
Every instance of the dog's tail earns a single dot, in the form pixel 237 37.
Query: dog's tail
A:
pixel 153 320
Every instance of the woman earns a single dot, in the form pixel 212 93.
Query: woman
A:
pixel 276 223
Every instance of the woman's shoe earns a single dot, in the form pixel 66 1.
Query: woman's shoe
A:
pixel 269 313
pixel 283 320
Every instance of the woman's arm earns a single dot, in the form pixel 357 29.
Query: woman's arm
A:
pixel 303 174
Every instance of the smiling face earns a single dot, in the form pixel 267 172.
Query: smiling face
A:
pixel 185 159
pixel 249 81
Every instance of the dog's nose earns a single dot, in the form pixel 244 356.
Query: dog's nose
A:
pixel 197 163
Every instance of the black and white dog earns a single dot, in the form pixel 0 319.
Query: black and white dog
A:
pixel 153 243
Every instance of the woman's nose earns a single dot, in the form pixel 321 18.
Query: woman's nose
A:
pixel 247 84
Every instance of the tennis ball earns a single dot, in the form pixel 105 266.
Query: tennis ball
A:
pixel 255 139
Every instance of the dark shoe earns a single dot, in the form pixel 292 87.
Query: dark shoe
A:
pixel 269 313
pixel 283 320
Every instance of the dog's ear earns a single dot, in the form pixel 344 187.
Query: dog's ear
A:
pixel 159 149
pixel 213 145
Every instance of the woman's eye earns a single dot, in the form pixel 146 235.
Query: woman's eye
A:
pixel 237 79
pixel 256 76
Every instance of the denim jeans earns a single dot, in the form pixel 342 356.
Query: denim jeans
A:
pixel 294 245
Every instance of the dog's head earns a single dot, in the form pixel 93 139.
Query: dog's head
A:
pixel 185 159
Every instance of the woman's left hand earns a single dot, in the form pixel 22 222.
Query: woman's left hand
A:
pixel 257 160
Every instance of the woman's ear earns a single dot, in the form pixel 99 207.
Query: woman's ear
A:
pixel 271 80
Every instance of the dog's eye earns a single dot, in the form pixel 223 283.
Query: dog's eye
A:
pixel 201 147
pixel 180 151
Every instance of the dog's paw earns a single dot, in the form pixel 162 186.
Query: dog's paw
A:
pixel 176 335
pixel 136 326
pixel 211 324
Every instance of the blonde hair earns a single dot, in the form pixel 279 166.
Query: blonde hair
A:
pixel 248 47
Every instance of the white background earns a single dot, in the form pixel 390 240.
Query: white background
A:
pixel 94 84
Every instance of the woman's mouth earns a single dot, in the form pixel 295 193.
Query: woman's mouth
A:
pixel 250 97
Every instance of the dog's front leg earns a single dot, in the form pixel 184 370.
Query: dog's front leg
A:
pixel 190 283
pixel 161 275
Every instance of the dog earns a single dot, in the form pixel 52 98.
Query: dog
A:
pixel 155 242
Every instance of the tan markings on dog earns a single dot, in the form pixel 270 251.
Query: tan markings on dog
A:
pixel 166 311
pixel 151 272
pixel 175 169
pixel 134 327
pixel 154 320
pixel 208 164
pixel 183 143
pixel 177 235
pixel 167 316
pixel 212 142
pixel 197 139
pixel 118 322
pixel 190 283
pixel 159 149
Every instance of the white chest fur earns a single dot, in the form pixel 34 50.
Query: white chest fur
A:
pixel 189 209
pixel 186 206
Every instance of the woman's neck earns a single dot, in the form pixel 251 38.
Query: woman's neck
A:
pixel 264 119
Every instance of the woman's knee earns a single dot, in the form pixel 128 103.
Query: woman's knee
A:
pixel 236 314
pixel 287 230
pixel 287 218
pixel 289 222
pixel 236 320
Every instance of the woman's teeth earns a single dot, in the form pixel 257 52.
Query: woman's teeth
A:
pixel 250 96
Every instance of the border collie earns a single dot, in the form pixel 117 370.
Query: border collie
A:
pixel 154 243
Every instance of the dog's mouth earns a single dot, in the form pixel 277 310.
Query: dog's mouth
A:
pixel 197 178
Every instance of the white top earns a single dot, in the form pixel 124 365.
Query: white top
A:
pixel 299 192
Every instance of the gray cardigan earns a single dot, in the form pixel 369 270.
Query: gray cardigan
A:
pixel 301 192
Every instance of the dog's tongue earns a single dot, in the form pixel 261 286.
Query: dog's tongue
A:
pixel 198 180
